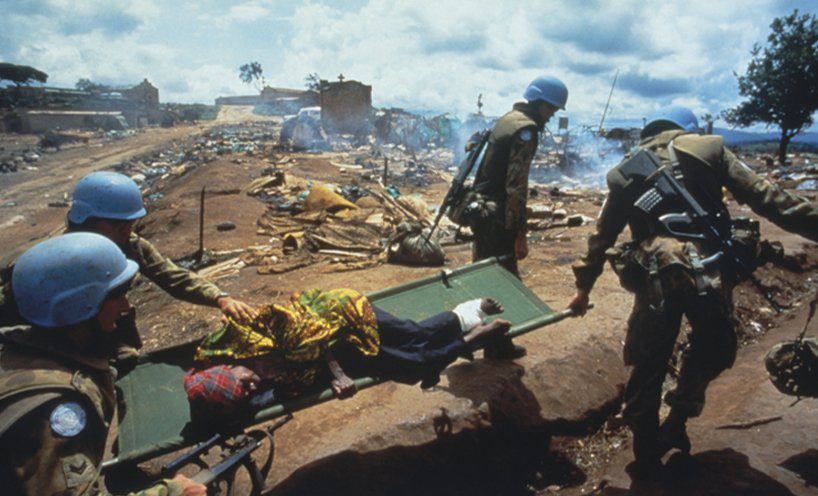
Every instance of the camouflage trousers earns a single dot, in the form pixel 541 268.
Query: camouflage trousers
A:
pixel 651 337
pixel 492 239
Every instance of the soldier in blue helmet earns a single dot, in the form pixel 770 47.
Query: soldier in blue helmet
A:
pixel 502 181
pixel 108 203
pixel 674 273
pixel 57 396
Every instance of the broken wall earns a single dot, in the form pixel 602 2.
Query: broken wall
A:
pixel 346 106
pixel 39 121
pixel 292 99
pixel 144 91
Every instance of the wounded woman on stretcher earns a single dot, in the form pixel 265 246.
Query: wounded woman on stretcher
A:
pixel 290 347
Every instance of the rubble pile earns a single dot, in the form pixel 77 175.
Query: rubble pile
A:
pixel 218 142
pixel 357 217
pixel 27 157
pixel 361 219
pixel 23 159
pixel 802 174
pixel 350 227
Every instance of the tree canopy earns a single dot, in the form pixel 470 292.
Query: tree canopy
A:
pixel 87 85
pixel 313 82
pixel 21 74
pixel 781 83
pixel 252 73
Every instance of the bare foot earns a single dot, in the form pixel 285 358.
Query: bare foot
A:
pixel 494 328
pixel 490 306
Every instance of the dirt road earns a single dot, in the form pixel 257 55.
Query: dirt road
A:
pixel 778 456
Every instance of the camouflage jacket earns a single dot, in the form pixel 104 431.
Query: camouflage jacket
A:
pixel 56 405
pixel 178 282
pixel 706 166
pixel 502 176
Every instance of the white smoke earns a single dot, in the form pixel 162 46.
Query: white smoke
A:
pixel 576 159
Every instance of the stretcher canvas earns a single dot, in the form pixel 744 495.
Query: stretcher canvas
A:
pixel 154 411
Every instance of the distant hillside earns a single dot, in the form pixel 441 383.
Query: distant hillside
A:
pixel 732 137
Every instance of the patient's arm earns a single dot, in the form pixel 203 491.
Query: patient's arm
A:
pixel 342 385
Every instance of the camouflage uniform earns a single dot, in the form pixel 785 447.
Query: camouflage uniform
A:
pixel 178 282
pixel 502 179
pixel 40 378
pixel 668 279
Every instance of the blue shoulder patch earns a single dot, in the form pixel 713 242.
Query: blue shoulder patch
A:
pixel 68 419
pixel 525 135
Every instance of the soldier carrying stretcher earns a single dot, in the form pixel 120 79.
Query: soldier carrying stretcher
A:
pixel 676 267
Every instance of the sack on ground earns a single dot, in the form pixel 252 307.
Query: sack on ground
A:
pixel 408 245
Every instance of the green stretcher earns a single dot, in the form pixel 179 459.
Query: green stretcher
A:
pixel 154 414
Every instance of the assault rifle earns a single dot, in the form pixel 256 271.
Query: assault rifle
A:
pixel 695 223
pixel 235 455
pixel 457 190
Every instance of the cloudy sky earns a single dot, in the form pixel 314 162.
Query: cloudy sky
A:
pixel 424 55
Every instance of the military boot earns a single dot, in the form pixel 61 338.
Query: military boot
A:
pixel 673 433
pixel 647 465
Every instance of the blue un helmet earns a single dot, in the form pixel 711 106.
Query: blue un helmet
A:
pixel 670 117
pixel 64 280
pixel 106 195
pixel 549 89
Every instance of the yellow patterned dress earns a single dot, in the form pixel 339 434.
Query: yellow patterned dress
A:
pixel 294 336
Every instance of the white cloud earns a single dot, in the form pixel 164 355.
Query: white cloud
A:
pixel 431 55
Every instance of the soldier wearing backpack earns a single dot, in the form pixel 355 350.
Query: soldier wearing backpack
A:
pixel 502 180
pixel 672 274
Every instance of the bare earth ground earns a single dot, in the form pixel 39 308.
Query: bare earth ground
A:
pixel 750 439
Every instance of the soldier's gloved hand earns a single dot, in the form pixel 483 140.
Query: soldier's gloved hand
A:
pixel 190 487
pixel 237 310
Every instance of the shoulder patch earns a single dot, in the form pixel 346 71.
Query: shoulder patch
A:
pixel 525 135
pixel 68 419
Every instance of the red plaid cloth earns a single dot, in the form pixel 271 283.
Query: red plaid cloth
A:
pixel 215 390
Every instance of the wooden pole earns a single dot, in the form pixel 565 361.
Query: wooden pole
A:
pixel 200 253
pixel 609 101
pixel 385 170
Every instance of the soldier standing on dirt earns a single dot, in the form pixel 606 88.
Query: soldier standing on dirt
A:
pixel 671 277
pixel 502 181
pixel 57 396
pixel 108 203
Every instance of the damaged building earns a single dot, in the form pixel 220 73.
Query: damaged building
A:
pixel 284 101
pixel 346 106
pixel 108 107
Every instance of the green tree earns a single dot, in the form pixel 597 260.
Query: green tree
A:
pixel 21 74
pixel 708 119
pixel 252 74
pixel 313 82
pixel 87 85
pixel 781 84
